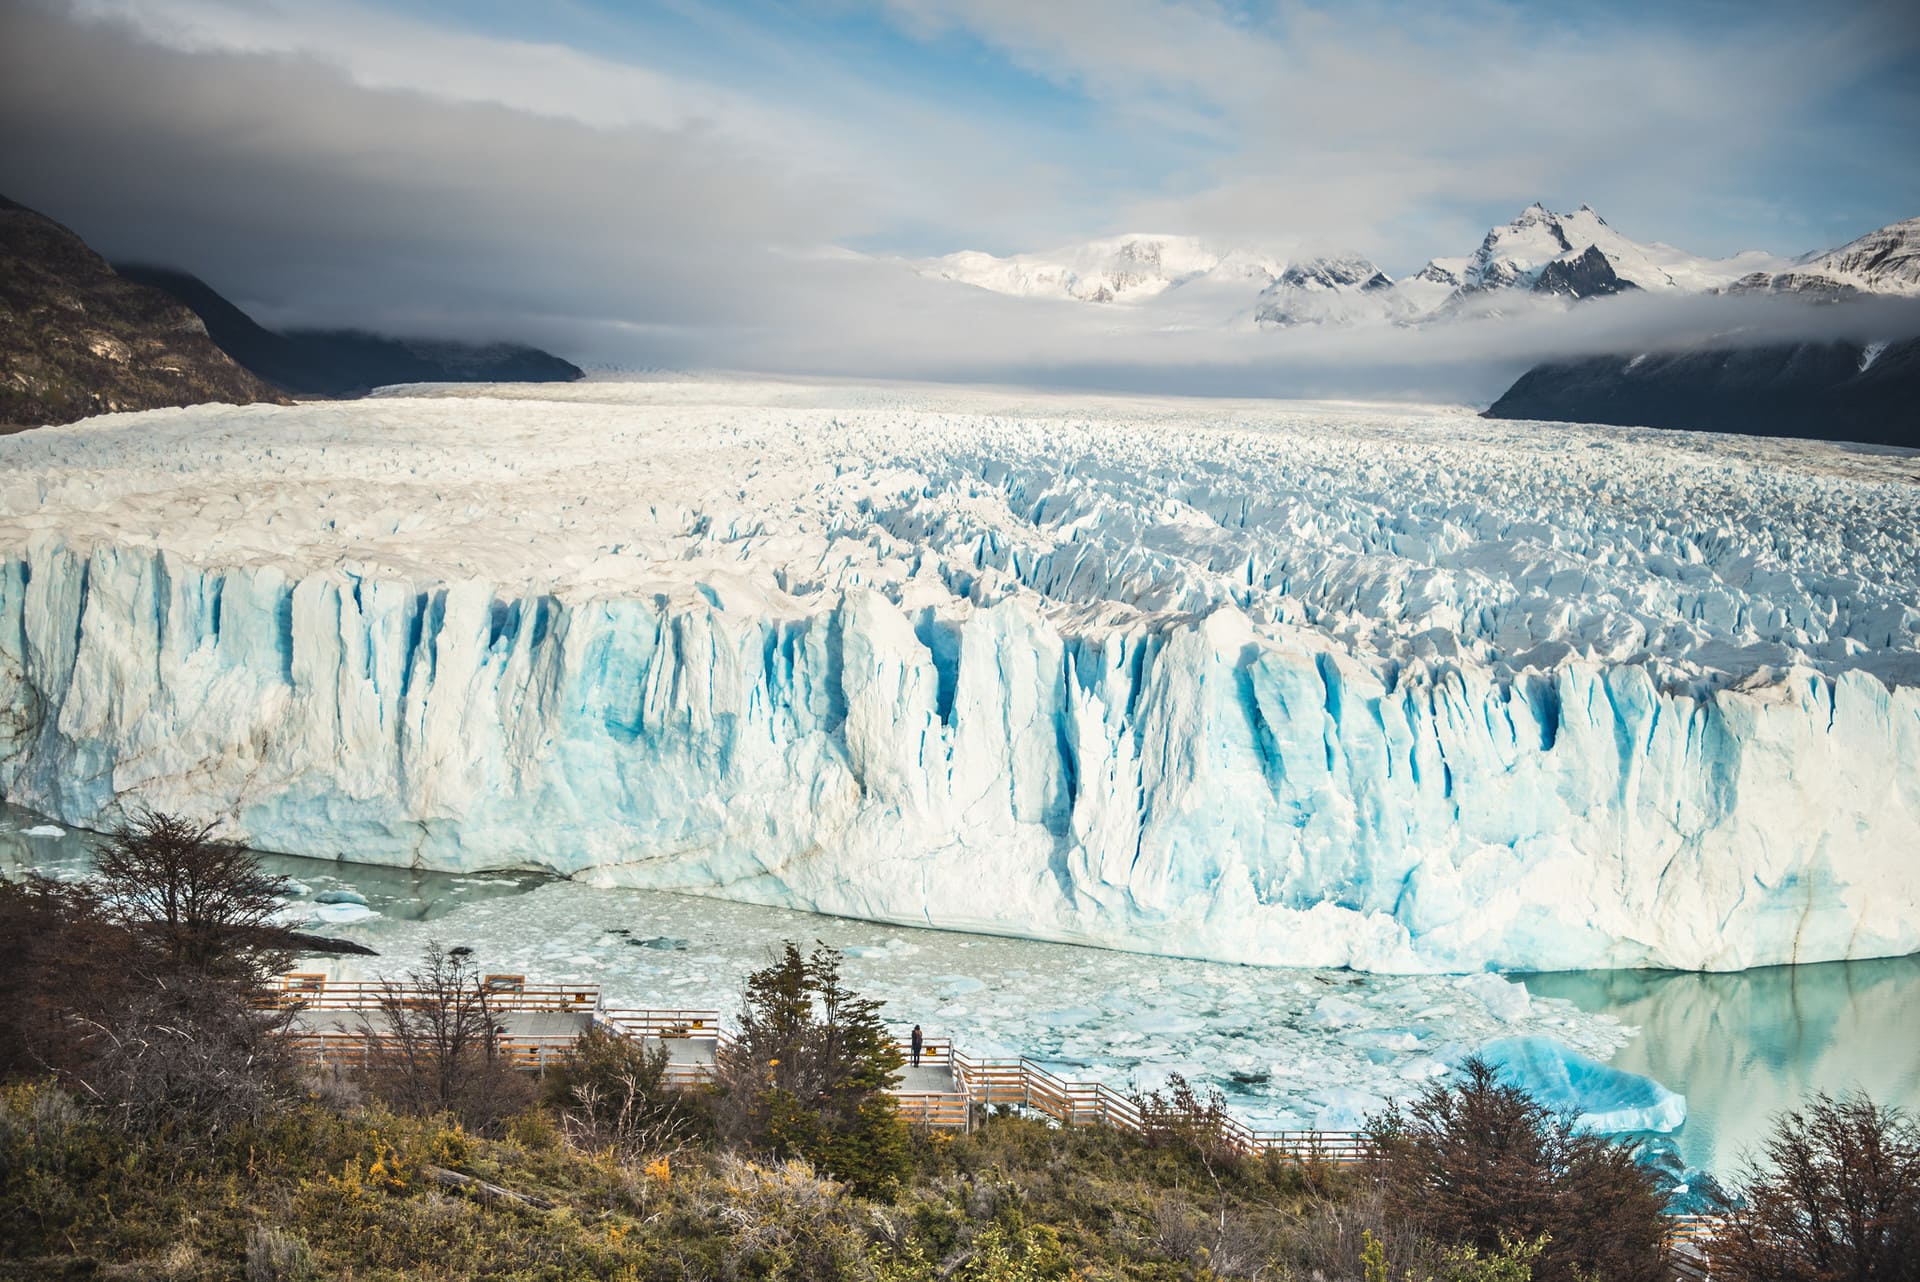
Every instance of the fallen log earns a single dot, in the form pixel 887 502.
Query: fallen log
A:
pixel 487 1193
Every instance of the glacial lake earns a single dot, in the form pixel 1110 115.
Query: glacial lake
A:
pixel 1289 1048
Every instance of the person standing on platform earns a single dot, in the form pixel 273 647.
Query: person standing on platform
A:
pixel 915 1044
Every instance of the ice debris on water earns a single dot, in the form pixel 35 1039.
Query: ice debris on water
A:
pixel 1089 1014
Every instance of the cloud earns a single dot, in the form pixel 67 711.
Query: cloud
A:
pixel 329 164
pixel 1359 126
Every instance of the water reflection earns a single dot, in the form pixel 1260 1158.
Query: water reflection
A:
pixel 1745 1046
pixel 397 894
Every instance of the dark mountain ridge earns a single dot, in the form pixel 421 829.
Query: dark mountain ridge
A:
pixel 1833 391
pixel 349 362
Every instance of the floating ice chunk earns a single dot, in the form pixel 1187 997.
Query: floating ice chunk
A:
pixel 45 830
pixel 1603 1099
pixel 1066 1017
pixel 338 914
pixel 1385 1039
pixel 296 887
pixel 862 950
pixel 1345 1109
pixel 1166 1021
pixel 958 985
pixel 340 897
pixel 1337 1012
pixel 1423 1069
pixel 1507 999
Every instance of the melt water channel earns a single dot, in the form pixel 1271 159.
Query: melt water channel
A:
pixel 1288 1048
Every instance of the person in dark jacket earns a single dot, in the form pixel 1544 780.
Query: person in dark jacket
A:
pixel 916 1044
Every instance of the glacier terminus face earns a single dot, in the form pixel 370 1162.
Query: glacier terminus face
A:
pixel 1313 685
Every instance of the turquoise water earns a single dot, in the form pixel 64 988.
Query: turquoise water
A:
pixel 1745 1046
pixel 1740 1046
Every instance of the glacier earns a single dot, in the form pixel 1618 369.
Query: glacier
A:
pixel 1325 686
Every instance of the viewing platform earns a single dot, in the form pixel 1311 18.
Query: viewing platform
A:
pixel 338 1022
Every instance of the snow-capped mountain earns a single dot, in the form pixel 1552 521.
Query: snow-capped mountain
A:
pixel 1886 261
pixel 1542 246
pixel 1118 269
pixel 1569 257
pixel 1326 291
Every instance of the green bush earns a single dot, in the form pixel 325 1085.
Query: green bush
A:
pixel 612 1091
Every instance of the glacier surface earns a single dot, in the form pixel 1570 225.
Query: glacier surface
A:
pixel 1299 685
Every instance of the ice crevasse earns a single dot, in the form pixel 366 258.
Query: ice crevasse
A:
pixel 1205 783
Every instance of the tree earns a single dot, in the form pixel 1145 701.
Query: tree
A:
pixel 433 1043
pixel 809 1073
pixel 1483 1165
pixel 149 1043
pixel 204 904
pixel 63 965
pixel 1838 1201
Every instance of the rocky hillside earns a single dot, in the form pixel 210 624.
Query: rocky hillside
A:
pixel 78 339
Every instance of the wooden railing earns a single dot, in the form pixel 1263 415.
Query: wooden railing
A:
pixel 635 1022
pixel 502 993
pixel 361 1050
pixel 935 1052
pixel 1025 1084
pixel 1694 1228
pixel 942 1111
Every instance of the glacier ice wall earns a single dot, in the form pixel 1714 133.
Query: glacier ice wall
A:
pixel 1101 723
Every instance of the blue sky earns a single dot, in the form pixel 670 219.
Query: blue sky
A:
pixel 1834 91
pixel 695 181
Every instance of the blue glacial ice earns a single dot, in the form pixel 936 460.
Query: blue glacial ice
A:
pixel 1323 688
pixel 1605 1100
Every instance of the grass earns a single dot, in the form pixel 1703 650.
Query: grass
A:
pixel 326 1192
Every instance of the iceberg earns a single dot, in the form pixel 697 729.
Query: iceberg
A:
pixel 1309 687
pixel 1604 1100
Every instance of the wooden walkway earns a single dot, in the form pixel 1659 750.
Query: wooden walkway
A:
pixel 949 1090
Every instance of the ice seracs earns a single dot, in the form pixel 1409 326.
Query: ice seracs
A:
pixel 1292 686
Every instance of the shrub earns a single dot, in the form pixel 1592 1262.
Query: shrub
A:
pixel 191 1054
pixel 783 1222
pixel 1838 1198
pixel 612 1091
pixel 1182 1117
pixel 275 1256
pixel 433 1045
pixel 808 1073
pixel 1484 1165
